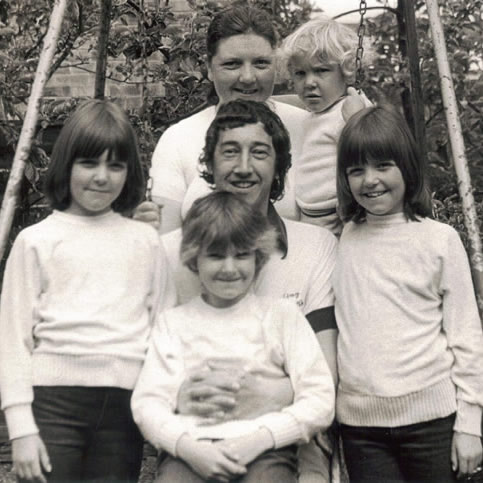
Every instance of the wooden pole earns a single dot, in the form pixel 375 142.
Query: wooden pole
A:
pixel 101 62
pixel 409 44
pixel 28 128
pixel 457 148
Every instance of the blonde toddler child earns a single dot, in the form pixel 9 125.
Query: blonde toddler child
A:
pixel 320 57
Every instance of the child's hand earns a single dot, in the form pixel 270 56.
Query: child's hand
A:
pixel 247 448
pixel 466 453
pixel 148 212
pixel 207 459
pixel 352 104
pixel 30 458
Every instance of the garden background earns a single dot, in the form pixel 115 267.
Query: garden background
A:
pixel 156 70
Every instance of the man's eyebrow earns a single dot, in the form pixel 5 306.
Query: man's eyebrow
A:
pixel 261 143
pixel 255 143
pixel 229 142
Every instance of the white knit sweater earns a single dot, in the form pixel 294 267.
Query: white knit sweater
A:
pixel 259 335
pixel 78 300
pixel 410 345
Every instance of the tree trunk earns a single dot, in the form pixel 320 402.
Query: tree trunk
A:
pixel 28 128
pixel 101 62
pixel 457 149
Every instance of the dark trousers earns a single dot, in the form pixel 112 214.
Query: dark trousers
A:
pixel 416 453
pixel 89 433
pixel 275 466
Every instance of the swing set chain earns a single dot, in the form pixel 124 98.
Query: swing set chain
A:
pixel 360 47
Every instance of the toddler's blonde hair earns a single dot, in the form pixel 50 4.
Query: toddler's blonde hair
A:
pixel 327 40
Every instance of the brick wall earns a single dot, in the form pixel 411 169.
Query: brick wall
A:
pixel 79 82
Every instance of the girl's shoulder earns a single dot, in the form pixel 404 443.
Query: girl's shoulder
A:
pixel 141 227
pixel 433 230
pixel 41 230
pixel 441 234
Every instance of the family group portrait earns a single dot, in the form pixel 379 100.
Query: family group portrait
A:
pixel 240 241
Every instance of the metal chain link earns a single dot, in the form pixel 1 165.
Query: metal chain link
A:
pixel 360 48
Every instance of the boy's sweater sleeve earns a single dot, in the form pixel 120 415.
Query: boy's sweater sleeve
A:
pixel 18 315
pixel 314 393
pixel 461 322
pixel 154 398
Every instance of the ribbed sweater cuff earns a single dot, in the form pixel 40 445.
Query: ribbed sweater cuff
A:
pixel 20 421
pixel 170 438
pixel 436 401
pixel 284 428
pixel 166 438
pixel 468 418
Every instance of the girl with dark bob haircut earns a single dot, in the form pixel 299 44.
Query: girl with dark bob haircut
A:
pixel 95 126
pixel 222 220
pixel 410 344
pixel 380 134
pixel 91 282
pixel 239 113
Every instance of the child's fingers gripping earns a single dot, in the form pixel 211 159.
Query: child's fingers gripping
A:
pixel 352 104
pixel 228 450
pixel 148 212
pixel 230 463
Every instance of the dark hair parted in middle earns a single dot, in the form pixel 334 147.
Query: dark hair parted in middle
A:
pixel 238 19
pixel 380 134
pixel 95 126
pixel 222 220
pixel 239 113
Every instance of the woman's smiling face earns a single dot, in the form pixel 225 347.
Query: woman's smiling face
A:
pixel 243 68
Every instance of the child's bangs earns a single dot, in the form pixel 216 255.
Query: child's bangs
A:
pixel 362 145
pixel 95 138
pixel 223 235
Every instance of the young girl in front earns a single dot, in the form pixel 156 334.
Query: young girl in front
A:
pixel 410 347
pixel 226 242
pixel 80 291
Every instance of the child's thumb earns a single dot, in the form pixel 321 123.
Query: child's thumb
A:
pixel 454 456
pixel 44 458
